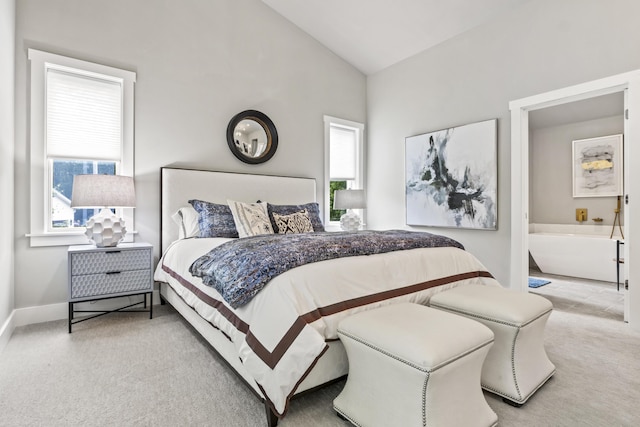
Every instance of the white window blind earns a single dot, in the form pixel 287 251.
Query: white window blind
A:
pixel 84 116
pixel 342 149
pixel 81 121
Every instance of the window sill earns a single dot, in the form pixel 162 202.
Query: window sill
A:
pixel 65 238
pixel 334 226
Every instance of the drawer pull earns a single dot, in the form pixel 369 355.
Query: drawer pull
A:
pixel 113 272
pixel 112 252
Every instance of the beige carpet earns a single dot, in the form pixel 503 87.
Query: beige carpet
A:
pixel 125 369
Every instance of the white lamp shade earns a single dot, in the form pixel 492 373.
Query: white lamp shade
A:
pixel 101 191
pixel 349 199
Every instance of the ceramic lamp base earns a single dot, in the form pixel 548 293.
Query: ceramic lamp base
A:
pixel 350 221
pixel 106 229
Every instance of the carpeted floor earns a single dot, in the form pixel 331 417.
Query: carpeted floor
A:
pixel 127 370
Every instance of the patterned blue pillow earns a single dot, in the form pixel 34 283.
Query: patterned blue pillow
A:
pixel 214 220
pixel 313 210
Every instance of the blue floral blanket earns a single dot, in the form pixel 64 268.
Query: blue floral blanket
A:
pixel 240 268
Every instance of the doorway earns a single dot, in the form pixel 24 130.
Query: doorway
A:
pixel 573 257
pixel 629 84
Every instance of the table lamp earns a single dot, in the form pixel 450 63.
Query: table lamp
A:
pixel 349 199
pixel 107 192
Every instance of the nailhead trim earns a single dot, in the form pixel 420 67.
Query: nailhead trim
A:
pixel 424 406
pixel 519 398
pixel 351 420
pixel 513 345
pixel 413 365
pixel 385 352
pixel 406 362
pixel 424 400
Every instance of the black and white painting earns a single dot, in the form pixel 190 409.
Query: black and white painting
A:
pixel 451 177
pixel 597 166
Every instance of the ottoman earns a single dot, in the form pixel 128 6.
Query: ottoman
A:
pixel 410 365
pixel 517 364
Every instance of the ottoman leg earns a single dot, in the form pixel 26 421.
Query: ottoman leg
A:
pixel 512 403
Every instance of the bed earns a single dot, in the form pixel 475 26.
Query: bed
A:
pixel 283 341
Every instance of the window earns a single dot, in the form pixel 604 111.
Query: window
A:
pixel 343 162
pixel 81 123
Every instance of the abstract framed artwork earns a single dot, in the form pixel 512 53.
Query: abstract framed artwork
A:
pixel 451 177
pixel 597 166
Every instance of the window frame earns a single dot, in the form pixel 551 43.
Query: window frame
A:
pixel 40 170
pixel 359 182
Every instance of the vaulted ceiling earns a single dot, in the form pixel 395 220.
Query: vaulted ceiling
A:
pixel 374 34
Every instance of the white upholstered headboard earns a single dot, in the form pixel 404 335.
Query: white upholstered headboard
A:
pixel 178 186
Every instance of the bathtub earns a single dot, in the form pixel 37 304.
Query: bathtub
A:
pixel 584 251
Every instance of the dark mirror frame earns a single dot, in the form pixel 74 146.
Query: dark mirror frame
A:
pixel 269 129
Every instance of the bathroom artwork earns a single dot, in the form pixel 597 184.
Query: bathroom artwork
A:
pixel 451 177
pixel 597 166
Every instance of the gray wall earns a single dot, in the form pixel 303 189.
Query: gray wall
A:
pixel 7 51
pixel 543 45
pixel 550 174
pixel 198 63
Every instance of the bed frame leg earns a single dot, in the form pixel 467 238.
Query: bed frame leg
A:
pixel 272 419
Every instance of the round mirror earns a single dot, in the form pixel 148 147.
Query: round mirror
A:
pixel 252 137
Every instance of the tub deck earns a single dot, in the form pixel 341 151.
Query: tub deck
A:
pixel 576 251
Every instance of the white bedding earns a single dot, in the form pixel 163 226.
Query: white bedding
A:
pixel 281 333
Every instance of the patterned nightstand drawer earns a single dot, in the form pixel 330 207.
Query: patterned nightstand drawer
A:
pixel 106 273
pixel 91 285
pixel 108 261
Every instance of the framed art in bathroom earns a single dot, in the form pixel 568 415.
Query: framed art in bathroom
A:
pixel 597 166
pixel 451 177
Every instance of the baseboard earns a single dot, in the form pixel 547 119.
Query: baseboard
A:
pixel 48 313
pixel 41 313
pixel 7 330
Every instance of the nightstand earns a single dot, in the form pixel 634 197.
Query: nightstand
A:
pixel 104 273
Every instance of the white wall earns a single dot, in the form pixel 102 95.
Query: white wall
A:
pixel 541 46
pixel 198 63
pixel 551 182
pixel 7 111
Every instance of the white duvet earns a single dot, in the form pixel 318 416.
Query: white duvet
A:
pixel 283 330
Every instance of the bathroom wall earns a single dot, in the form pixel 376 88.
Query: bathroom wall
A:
pixel 550 175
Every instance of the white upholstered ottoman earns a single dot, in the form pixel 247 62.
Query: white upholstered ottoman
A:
pixel 410 365
pixel 517 364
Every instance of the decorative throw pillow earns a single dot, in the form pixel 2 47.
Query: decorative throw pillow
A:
pixel 297 222
pixel 186 218
pixel 313 210
pixel 251 219
pixel 214 220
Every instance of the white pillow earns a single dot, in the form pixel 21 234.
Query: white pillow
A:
pixel 187 220
pixel 251 219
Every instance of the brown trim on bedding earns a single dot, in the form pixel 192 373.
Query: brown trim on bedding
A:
pixel 225 311
pixel 293 391
pixel 320 312
pixel 272 358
